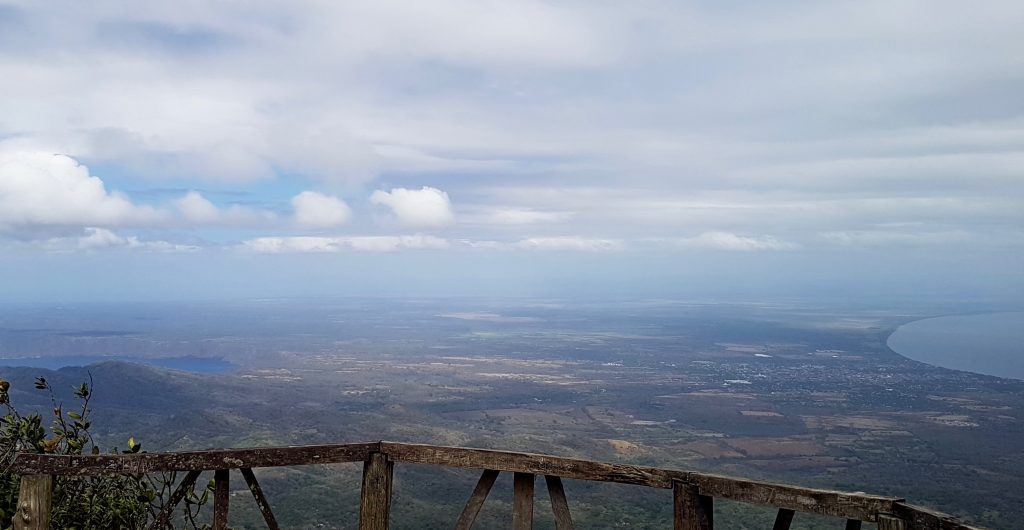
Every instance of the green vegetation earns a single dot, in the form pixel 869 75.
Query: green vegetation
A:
pixel 83 503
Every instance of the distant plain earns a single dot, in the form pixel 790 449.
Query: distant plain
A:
pixel 787 391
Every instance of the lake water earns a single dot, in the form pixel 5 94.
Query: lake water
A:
pixel 203 365
pixel 991 344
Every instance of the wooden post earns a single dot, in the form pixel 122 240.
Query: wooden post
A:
pixel 783 520
pixel 693 511
pixel 559 504
pixel 221 498
pixel 476 500
pixel 888 522
pixel 34 500
pixel 853 524
pixel 375 499
pixel 522 502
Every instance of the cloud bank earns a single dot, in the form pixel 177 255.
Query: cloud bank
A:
pixel 314 244
pixel 577 126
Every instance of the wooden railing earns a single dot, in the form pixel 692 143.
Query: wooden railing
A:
pixel 693 492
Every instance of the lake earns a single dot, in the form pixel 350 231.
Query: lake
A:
pixel 991 344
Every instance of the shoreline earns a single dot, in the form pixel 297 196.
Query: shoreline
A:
pixel 928 346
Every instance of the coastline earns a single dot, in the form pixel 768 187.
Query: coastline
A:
pixel 990 343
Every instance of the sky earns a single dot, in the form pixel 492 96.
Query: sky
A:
pixel 193 149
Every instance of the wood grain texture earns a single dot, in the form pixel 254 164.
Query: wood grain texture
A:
pixel 35 496
pixel 530 463
pixel 559 503
pixel 522 501
pixel 920 518
pixel 826 502
pixel 888 522
pixel 261 500
pixel 476 500
pixel 221 498
pixel 135 464
pixel 692 511
pixel 375 499
pixel 163 520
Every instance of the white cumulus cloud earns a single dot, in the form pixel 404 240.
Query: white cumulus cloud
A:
pixel 317 210
pixel 424 208
pixel 46 189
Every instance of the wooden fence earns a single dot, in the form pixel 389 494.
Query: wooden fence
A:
pixel 693 493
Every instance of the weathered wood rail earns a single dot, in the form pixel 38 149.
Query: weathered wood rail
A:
pixel 693 492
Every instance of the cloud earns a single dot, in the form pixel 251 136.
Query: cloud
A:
pixel 198 210
pixel 316 210
pixel 577 244
pixel 514 216
pixel 40 189
pixel 99 239
pixel 467 32
pixel 314 244
pixel 424 208
pixel 484 244
pixel 620 120
pixel 733 242
pixel 319 244
pixel 172 94
pixel 895 238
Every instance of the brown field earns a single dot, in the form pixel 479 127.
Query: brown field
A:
pixel 624 448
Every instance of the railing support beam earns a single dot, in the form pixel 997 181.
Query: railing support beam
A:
pixel 261 499
pixel 375 499
pixel 164 519
pixel 559 504
pixel 34 498
pixel 692 510
pixel 476 500
pixel 784 519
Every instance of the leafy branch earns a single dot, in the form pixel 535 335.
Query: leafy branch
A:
pixel 85 503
